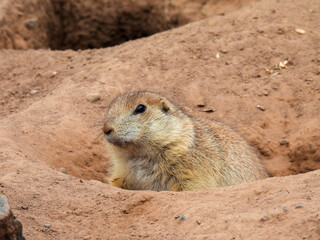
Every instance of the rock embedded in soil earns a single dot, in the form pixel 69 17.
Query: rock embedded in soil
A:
pixel 23 207
pixel 285 209
pixel 94 97
pixel 260 107
pixel 300 31
pixel 208 110
pixel 10 227
pixel 284 142
pixel 256 75
pixel 265 218
pixel 31 24
pixel 182 217
pixel 201 105
pixel 33 91
pixel 47 226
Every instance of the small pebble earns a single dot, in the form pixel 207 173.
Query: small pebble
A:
pixel 217 55
pixel 262 108
pixel 63 170
pixel 182 217
pixel 208 110
pixel 47 226
pixel 299 206
pixel 284 142
pixel 256 75
pixel 53 74
pixel 265 218
pixel 285 209
pixel 300 31
pixel 93 97
pixel 201 105
pixel 30 23
pixel 265 92
pixel 224 51
pixel 24 207
pixel 34 91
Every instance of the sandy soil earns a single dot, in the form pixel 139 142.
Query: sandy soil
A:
pixel 229 62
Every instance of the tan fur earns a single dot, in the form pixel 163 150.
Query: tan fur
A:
pixel 164 149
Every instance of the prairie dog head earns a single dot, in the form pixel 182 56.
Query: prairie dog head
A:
pixel 145 120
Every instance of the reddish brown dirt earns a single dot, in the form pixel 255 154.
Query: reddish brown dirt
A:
pixel 56 127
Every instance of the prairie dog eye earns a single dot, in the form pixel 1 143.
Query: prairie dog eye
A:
pixel 140 109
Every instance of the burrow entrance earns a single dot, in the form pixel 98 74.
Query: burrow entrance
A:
pixel 108 23
pixel 82 24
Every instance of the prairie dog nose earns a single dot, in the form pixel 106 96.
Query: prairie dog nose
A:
pixel 107 129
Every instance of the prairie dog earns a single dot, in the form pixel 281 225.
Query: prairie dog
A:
pixel 153 145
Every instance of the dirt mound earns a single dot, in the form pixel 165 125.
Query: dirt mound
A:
pixel 251 66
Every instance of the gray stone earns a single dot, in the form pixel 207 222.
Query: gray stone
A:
pixel 10 227
pixel 182 217
pixel 63 170
pixel 47 226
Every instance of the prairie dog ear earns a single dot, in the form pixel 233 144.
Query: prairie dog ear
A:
pixel 165 106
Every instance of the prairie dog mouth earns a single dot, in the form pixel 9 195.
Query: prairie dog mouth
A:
pixel 118 141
